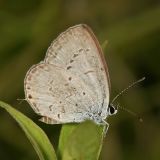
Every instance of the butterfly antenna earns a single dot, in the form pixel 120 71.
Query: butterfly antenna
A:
pixel 131 112
pixel 126 89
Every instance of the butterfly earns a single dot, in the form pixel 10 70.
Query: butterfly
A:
pixel 72 83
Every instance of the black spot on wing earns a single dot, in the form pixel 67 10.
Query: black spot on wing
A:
pixel 69 67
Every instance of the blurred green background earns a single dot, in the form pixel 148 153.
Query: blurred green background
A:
pixel 132 29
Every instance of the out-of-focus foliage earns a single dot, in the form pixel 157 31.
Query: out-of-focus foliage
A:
pixel 132 29
pixel 34 133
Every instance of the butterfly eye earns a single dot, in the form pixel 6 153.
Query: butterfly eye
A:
pixel 112 110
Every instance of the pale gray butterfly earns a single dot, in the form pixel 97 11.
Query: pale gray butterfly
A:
pixel 72 83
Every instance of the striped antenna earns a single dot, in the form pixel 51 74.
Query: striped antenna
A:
pixel 126 89
pixel 131 112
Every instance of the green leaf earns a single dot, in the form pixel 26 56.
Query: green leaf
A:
pixel 81 141
pixel 35 134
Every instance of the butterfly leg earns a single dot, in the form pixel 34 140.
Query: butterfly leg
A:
pixel 105 128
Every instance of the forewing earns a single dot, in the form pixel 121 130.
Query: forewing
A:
pixel 78 52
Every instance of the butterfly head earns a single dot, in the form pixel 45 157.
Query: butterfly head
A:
pixel 112 109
